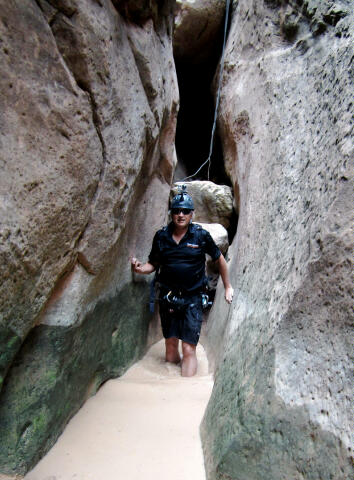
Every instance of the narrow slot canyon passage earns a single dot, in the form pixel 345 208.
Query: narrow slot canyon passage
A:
pixel 108 109
pixel 144 424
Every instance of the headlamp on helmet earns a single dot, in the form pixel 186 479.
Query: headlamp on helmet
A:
pixel 182 199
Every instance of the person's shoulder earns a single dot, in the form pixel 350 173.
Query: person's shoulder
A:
pixel 162 231
pixel 198 228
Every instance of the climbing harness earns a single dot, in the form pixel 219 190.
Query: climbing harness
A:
pixel 176 302
pixel 208 160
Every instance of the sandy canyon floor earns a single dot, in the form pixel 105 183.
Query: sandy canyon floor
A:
pixel 144 424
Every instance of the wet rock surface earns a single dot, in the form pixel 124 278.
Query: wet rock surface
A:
pixel 281 405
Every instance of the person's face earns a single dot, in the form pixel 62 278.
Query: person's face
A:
pixel 181 217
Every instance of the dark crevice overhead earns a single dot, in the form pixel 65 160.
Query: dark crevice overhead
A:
pixel 194 125
pixel 196 114
pixel 195 120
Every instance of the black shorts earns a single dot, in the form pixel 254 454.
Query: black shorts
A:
pixel 184 324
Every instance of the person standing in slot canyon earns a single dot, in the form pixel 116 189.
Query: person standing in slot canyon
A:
pixel 178 255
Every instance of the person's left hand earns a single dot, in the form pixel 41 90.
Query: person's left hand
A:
pixel 229 293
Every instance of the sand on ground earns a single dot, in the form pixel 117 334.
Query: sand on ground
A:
pixel 143 425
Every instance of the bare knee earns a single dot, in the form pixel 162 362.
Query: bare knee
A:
pixel 189 363
pixel 172 353
pixel 188 350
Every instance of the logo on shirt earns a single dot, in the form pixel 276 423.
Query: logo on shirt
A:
pixel 192 245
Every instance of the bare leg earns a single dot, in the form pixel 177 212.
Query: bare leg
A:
pixel 189 362
pixel 172 353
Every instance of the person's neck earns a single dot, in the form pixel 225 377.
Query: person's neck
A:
pixel 180 231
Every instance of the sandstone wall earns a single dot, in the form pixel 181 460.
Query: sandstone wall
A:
pixel 88 108
pixel 281 405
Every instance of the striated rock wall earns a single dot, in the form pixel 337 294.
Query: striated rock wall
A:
pixel 88 109
pixel 282 401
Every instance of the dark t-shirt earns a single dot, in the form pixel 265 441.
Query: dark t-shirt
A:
pixel 182 266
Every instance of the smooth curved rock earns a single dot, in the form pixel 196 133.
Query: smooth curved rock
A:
pixel 281 405
pixel 212 203
pixel 220 237
pixel 89 103
pixel 198 24
pixel 51 157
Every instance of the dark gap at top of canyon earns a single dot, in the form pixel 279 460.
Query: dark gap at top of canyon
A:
pixel 197 88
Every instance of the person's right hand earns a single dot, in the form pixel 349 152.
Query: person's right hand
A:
pixel 136 265
pixel 143 268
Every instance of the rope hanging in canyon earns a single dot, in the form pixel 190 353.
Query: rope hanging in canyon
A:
pixel 208 160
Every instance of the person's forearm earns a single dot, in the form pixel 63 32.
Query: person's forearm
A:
pixel 144 269
pixel 147 268
pixel 224 272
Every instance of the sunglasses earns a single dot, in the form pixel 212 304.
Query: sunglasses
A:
pixel 177 211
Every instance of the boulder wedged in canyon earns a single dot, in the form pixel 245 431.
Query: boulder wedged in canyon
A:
pixel 212 203
pixel 220 237
pixel 198 24
pixel 282 401
pixel 88 111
